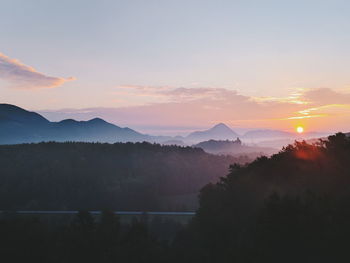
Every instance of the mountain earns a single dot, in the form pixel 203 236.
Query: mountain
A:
pixel 218 132
pixel 11 113
pixel 18 125
pixel 94 130
pixel 21 126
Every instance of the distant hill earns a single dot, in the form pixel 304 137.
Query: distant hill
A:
pixel 233 148
pixel 218 132
pixel 21 126
pixel 18 125
pixel 94 130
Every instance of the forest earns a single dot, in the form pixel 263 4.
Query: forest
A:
pixel 95 176
pixel 291 207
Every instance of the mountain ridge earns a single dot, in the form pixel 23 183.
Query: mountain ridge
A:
pixel 219 131
pixel 18 125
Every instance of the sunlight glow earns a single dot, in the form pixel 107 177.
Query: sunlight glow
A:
pixel 300 129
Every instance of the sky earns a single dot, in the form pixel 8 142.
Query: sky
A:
pixel 169 67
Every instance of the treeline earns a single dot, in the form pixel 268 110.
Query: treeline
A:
pixel 95 176
pixel 292 207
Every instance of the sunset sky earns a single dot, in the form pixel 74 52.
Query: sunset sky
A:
pixel 169 67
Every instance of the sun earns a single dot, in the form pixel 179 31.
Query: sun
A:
pixel 300 129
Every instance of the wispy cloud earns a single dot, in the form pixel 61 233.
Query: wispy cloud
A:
pixel 171 106
pixel 188 106
pixel 323 102
pixel 324 96
pixel 21 76
pixel 307 117
pixel 181 94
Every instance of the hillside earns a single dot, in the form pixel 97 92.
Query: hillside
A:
pixel 319 167
pixel 141 176
pixel 291 207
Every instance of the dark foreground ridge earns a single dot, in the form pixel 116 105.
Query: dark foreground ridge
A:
pixel 291 207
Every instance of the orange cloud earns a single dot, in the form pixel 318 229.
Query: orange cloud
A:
pixel 22 76
pixel 325 96
pixel 171 106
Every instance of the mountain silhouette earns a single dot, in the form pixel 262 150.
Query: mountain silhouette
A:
pixel 18 125
pixel 21 126
pixel 11 113
pixel 218 132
